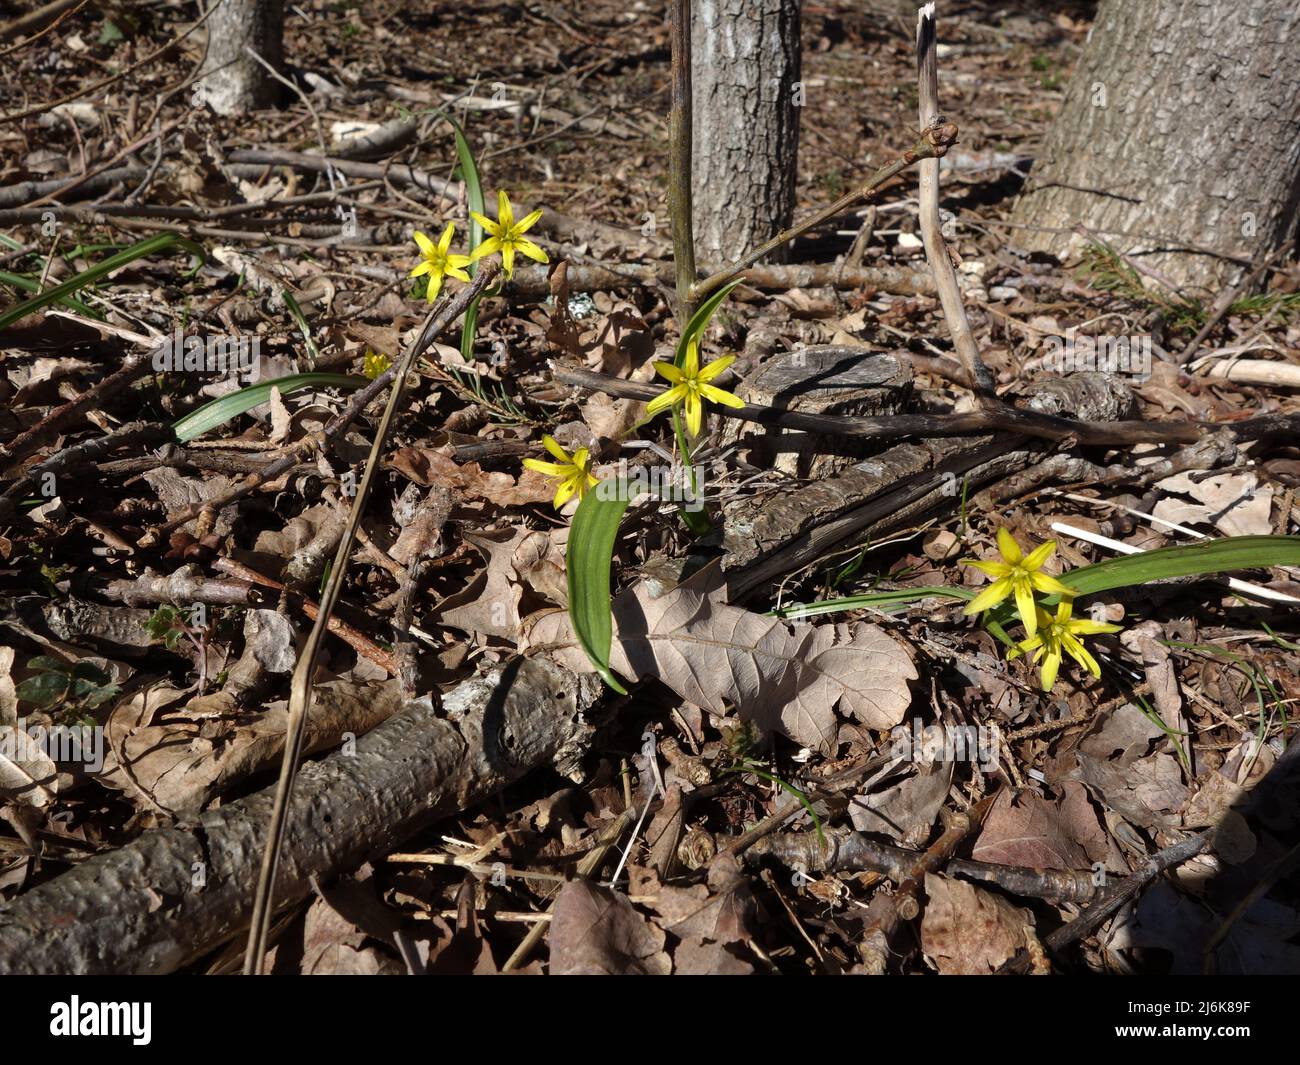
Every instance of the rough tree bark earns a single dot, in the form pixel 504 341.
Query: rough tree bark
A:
pixel 1179 127
pixel 745 69
pixel 174 893
pixel 231 81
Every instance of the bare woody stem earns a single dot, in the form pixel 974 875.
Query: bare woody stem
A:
pixel 679 162
pixel 933 144
pixel 936 250
pixel 440 317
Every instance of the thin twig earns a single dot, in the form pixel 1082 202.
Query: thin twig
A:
pixel 936 250
pixel 442 315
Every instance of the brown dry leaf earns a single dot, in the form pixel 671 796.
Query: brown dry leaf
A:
pixel 434 466
pixel 789 678
pixel 906 811
pixel 1114 762
pixel 334 946
pixel 597 932
pixel 1027 830
pixel 970 932
pixel 1234 503
pixel 28 775
pixel 201 750
pixel 490 605
pixel 695 957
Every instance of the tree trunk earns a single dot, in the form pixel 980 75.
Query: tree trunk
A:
pixel 747 95
pixel 1178 130
pixel 231 81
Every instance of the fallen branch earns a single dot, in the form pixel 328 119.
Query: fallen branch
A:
pixel 176 893
pixel 1000 418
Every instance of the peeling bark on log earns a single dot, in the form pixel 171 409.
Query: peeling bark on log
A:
pixel 822 379
pixel 768 536
pixel 175 893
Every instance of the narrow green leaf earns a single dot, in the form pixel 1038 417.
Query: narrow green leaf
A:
pixel 28 285
pixel 222 410
pixel 300 319
pixel 1183 560
pixel 701 318
pixel 588 559
pixel 1204 559
pixel 141 250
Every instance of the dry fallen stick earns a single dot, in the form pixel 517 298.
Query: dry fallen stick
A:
pixel 936 249
pixel 891 427
pixel 176 893
pixel 852 851
pixel 440 317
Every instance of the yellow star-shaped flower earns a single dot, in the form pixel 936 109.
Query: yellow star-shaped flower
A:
pixel 437 261
pixel 1017 574
pixel 1059 635
pixel 375 364
pixel 690 387
pixel 507 235
pixel 573 471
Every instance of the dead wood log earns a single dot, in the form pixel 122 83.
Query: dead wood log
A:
pixel 175 893
pixel 824 379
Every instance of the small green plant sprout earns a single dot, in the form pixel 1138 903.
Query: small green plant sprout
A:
pixel 507 235
pixel 375 364
pixel 690 387
pixel 573 471
pixel 438 262
pixel 1057 635
pixel 1018 575
pixel 74 688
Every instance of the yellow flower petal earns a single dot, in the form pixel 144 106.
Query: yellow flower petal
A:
pixel 1051 585
pixel 668 370
pixel 708 373
pixel 993 569
pixel 564 493
pixel 423 268
pixel 528 222
pixel 1008 547
pixel 990 597
pixel 507 258
pixel 444 242
pixel 1051 665
pixel 1026 607
pixel 505 214
pixel 488 247
pixel 691 364
pixel 1039 555
pixel 665 400
pixel 553 446
pixel 427 247
pixel 719 396
pixel 487 223
pixel 551 469
pixel 694 413
pixel 532 251
pixel 458 274
pixel 435 286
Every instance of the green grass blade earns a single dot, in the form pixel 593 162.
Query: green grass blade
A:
pixel 223 409
pixel 300 319
pixel 588 559
pixel 28 285
pixel 141 250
